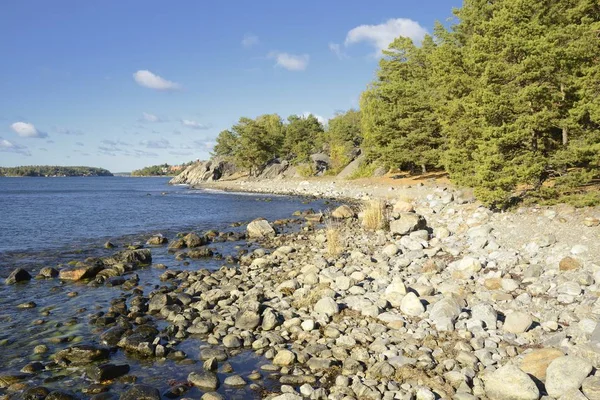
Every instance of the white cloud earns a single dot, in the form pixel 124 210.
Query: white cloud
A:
pixel 150 117
pixel 250 40
pixel 10 147
pixel 319 118
pixel 337 50
pixel 291 62
pixel 194 125
pixel 380 36
pixel 27 130
pixel 147 79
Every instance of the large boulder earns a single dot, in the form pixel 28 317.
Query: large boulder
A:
pixel 321 162
pixel 18 275
pixel 260 228
pixel 406 223
pixel 565 374
pixel 510 383
pixel 343 212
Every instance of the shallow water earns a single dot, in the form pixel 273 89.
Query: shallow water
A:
pixel 49 222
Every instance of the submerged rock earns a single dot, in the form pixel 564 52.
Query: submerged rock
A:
pixel 105 372
pixel 141 392
pixel 79 272
pixel 81 355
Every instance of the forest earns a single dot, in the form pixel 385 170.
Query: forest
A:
pixel 505 100
pixel 51 170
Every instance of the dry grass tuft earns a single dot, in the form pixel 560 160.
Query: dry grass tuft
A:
pixel 374 215
pixel 312 297
pixel 333 233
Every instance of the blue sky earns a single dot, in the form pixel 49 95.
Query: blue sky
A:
pixel 124 84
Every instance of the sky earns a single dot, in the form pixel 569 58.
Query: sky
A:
pixel 126 84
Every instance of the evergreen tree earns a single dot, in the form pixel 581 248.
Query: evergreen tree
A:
pixel 303 136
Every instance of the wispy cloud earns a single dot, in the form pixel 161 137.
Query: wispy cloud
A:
pixel 81 144
pixel 156 144
pixel 27 130
pixel 181 153
pixel 150 80
pixel 291 62
pixel 147 117
pixel 250 40
pixel 380 36
pixel 194 124
pixel 10 147
pixel 336 49
pixel 67 131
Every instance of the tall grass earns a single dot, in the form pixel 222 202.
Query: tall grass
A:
pixel 374 215
pixel 333 234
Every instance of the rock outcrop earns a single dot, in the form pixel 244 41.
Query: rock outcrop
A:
pixel 205 171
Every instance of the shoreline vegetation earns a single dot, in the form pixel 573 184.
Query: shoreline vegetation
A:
pixel 52 171
pixel 160 170
pixel 506 101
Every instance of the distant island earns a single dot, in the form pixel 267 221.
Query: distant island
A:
pixel 160 170
pixel 53 171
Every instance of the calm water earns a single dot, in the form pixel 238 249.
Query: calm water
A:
pixel 50 221
pixel 46 213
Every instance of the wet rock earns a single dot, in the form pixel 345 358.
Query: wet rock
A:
pixel 57 395
pixel 235 381
pixel 77 273
pixel 141 392
pixel 157 240
pixel 284 358
pixel 213 352
pixel 106 372
pixel 193 240
pixel 510 383
pixel 111 336
pixel 232 341
pixel 29 304
pixel 200 253
pixel 204 380
pixel 33 367
pixel 259 228
pixel 566 373
pixel 35 393
pixel 247 320
pixel 81 355
pixel 47 273
pixel 176 245
pixel 16 276
pixel 212 396
pixel 109 245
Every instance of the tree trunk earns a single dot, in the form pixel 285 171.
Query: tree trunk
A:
pixel 424 168
pixel 565 136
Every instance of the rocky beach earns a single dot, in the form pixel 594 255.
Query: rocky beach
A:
pixel 404 292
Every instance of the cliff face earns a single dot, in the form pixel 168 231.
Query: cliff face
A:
pixel 204 171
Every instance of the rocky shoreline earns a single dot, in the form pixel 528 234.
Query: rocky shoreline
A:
pixel 419 294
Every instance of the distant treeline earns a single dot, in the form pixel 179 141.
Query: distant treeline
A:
pixel 52 170
pixel 506 101
pixel 160 170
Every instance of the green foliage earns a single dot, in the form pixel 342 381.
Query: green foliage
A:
pixel 153 170
pixel 508 98
pixel 306 170
pixel 226 146
pixel 344 129
pixel 51 170
pixel 339 156
pixel 399 123
pixel 303 136
pixel 364 170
